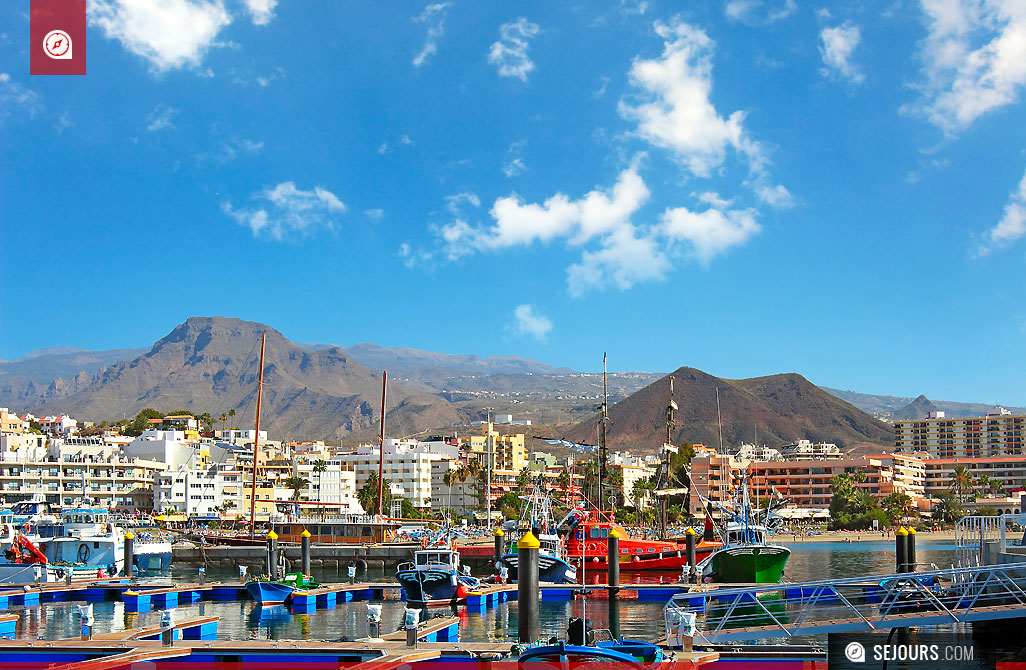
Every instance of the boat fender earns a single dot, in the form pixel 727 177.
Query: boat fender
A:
pixel 595 559
pixel 635 559
pixel 452 579
pixel 461 592
pixel 678 554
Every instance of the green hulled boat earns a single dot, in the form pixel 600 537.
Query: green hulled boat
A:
pixel 747 561
pixel 746 556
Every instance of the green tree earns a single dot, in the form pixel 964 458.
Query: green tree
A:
pixel 297 484
pixel 948 508
pixel 141 422
pixel 222 419
pixel 231 416
pixel 898 506
pixel 368 494
pixel 986 510
pixel 962 483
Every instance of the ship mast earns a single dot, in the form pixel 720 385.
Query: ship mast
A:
pixel 256 443
pixel 670 425
pixel 381 443
pixel 602 432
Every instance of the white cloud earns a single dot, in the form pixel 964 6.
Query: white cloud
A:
pixel 974 59
pixel 13 94
pixel 836 46
pixel 289 212
pixel 710 232
pixel 529 322
pixel 261 11
pixel 161 118
pixel 1013 224
pixel 454 203
pixel 509 54
pixel 774 196
pixel 514 167
pixel 434 17
pixel 170 34
pixel 759 11
pixel 229 149
pixel 675 111
pixel 374 214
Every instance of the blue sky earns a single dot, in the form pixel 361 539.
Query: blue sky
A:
pixel 747 187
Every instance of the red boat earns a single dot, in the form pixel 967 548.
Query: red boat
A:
pixel 589 539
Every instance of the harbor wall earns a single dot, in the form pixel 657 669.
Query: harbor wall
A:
pixel 321 556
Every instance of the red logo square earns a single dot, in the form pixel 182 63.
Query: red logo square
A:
pixel 58 35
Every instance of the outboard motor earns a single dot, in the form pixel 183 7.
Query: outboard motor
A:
pixel 580 632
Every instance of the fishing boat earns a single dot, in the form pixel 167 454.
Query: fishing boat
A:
pixel 277 591
pixel 588 540
pixel 90 541
pixel 553 562
pixel 746 557
pixel 434 575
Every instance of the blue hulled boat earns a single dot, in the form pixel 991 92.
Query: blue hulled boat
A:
pixel 276 592
pixel 434 575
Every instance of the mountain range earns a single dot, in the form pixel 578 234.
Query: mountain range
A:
pixel 209 364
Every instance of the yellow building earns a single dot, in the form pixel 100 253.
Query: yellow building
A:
pixel 509 450
pixel 10 424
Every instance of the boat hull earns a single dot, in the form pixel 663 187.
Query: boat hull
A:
pixel 269 593
pixel 663 561
pixel 748 564
pixel 435 586
pixel 551 570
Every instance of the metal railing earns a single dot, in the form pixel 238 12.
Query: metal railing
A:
pixel 974 533
pixel 866 603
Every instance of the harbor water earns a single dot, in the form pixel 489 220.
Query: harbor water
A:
pixel 243 619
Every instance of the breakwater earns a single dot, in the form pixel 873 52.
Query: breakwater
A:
pixel 324 556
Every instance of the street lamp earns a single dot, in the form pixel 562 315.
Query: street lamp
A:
pixel 488 461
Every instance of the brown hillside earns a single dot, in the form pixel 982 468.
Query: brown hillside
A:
pixel 210 364
pixel 781 408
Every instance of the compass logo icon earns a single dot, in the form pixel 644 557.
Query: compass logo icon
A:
pixel 57 45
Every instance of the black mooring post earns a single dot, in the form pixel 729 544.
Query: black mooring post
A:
pixel 527 588
pixel 692 556
pixel 305 549
pixel 900 549
pixel 499 535
pixel 129 554
pixel 613 582
pixel 272 555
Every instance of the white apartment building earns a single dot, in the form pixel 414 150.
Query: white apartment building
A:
pixel 30 466
pixel 1000 433
pixel 805 450
pixel 213 490
pixel 757 453
pixel 403 467
pixel 58 425
pixel 335 486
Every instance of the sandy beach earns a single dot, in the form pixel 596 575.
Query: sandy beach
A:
pixel 947 535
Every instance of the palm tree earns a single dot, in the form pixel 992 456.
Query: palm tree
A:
pixel 564 481
pixel 231 414
pixel 297 484
pixel 997 486
pixel 222 419
pixel 474 469
pixel 449 478
pixel 962 482
pixel 984 483
pixel 320 466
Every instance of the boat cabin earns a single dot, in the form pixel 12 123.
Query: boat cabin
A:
pixel 738 534
pixel 436 558
pixel 338 531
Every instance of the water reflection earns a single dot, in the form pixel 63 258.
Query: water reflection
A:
pixel 244 620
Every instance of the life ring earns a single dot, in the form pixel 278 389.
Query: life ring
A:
pixel 424 543
pixel 83 553
pixel 27 527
